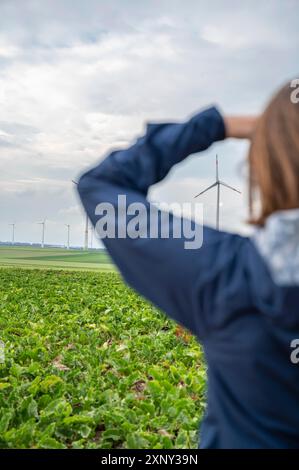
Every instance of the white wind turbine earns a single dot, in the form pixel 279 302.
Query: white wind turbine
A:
pixel 68 236
pixel 86 228
pixel 43 224
pixel 217 184
pixel 13 226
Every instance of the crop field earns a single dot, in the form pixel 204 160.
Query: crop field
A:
pixel 87 363
pixel 54 258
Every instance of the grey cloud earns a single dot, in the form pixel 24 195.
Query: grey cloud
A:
pixel 18 128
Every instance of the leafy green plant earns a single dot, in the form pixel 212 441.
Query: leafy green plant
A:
pixel 90 364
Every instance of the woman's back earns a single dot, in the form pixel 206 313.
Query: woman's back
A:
pixel 239 296
pixel 253 378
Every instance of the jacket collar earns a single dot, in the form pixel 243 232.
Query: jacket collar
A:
pixel 278 243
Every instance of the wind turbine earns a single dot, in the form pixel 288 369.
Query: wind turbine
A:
pixel 91 238
pixel 13 233
pixel 43 224
pixel 86 226
pixel 68 236
pixel 217 184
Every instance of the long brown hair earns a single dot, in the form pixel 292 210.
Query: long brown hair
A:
pixel 274 158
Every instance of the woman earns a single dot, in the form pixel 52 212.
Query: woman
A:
pixel 238 295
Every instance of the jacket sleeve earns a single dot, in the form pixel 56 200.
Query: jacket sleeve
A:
pixel 175 279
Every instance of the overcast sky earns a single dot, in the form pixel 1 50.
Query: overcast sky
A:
pixel 78 78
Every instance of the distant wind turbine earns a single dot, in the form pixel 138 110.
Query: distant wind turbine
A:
pixel 68 236
pixel 12 233
pixel 91 238
pixel 217 184
pixel 43 224
pixel 86 226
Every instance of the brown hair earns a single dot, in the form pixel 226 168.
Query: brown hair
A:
pixel 274 158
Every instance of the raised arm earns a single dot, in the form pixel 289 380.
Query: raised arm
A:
pixel 153 155
pixel 161 269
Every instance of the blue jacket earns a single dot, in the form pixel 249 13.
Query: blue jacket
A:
pixel 224 292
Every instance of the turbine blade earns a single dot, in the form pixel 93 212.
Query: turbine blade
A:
pixel 230 187
pixel 205 190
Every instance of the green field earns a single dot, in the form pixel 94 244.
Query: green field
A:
pixel 90 364
pixel 55 258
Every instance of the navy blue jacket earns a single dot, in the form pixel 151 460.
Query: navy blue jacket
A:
pixel 222 292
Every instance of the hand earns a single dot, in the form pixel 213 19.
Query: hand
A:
pixel 240 127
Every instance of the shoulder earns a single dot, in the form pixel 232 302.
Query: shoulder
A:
pixel 234 278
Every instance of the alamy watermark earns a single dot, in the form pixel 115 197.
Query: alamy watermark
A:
pixel 157 220
pixel 294 357
pixel 295 93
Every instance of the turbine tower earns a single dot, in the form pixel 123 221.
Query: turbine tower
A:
pixel 217 185
pixel 43 224
pixel 12 233
pixel 86 226
pixel 68 236
pixel 91 238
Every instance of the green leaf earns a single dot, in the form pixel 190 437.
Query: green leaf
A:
pixel 5 420
pixel 50 382
pixel 4 385
pixel 50 443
